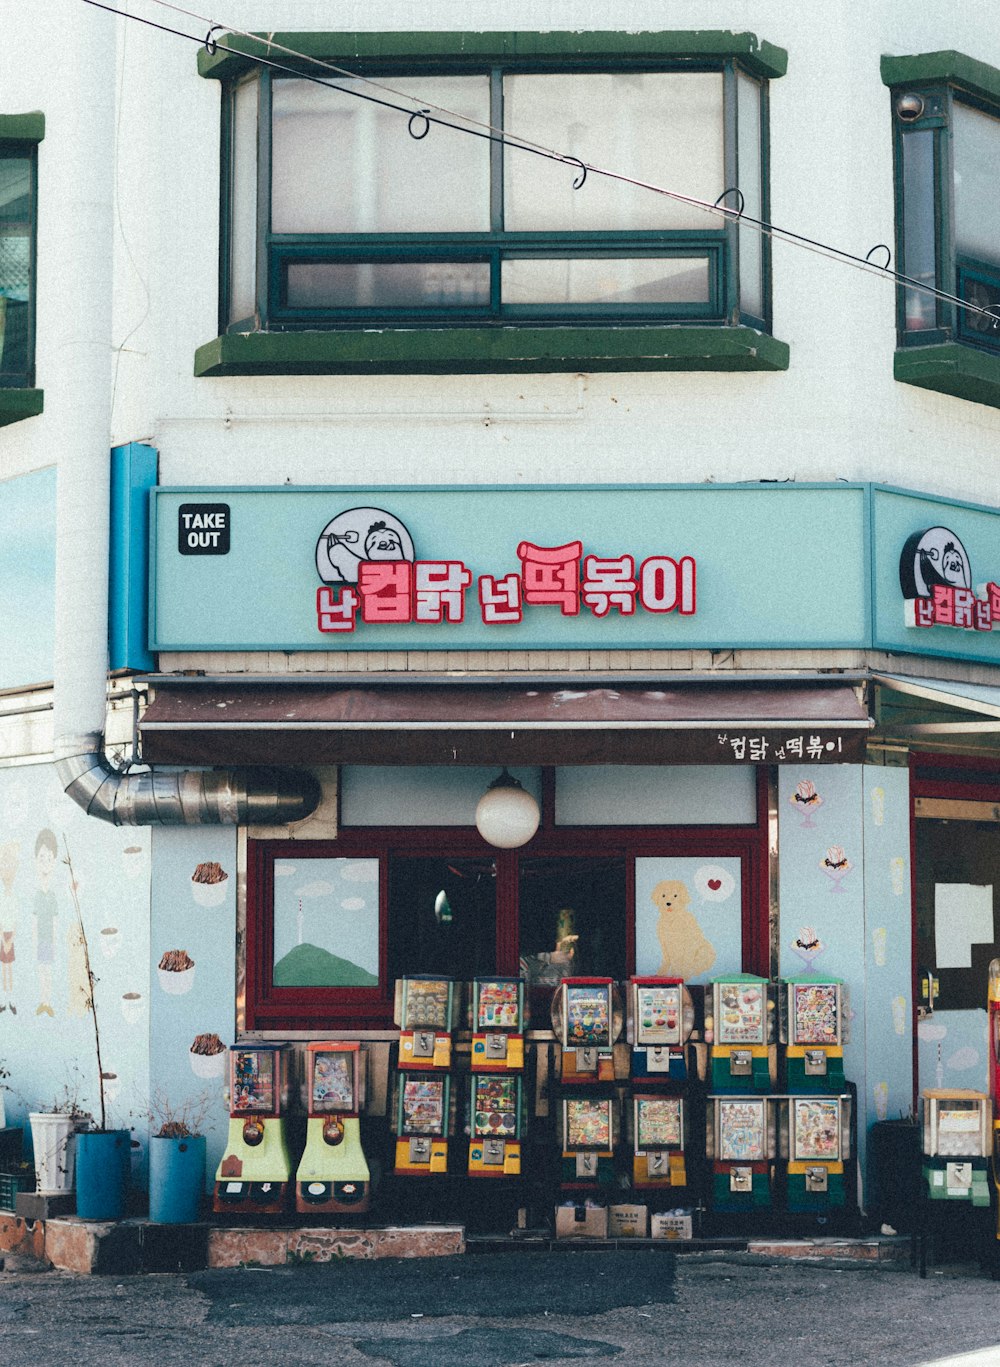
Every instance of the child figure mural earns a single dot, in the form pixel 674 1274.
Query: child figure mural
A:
pixel 9 859
pixel 45 911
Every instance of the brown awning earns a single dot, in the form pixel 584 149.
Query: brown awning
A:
pixel 470 723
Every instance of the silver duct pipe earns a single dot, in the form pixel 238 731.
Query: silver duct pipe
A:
pixel 211 797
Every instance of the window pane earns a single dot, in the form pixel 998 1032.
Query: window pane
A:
pixel 920 308
pixel 15 264
pixel 957 904
pixel 664 128
pixel 748 154
pixel 341 164
pixel 243 212
pixel 442 916
pixel 976 161
pixel 607 280
pixel 326 922
pixel 403 284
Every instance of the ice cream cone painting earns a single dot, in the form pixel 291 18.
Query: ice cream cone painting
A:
pixel 806 801
pixel 836 866
pixel 686 950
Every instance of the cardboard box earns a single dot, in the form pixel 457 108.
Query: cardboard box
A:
pixel 628 1222
pixel 581 1222
pixel 671 1226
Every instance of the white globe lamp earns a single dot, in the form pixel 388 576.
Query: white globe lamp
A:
pixel 507 816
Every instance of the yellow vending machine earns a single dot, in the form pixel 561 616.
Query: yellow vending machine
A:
pixel 741 1026
pixel 813 1033
pixel 333 1172
pixel 658 1132
pixel 423 1113
pixel 586 1020
pixel 816 1141
pixel 496 1122
pixel 660 1018
pixel 588 1132
pixel 256 1169
pixel 498 1023
pixel 426 1013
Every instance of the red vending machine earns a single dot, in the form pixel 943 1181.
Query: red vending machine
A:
pixel 333 1172
pixel 586 1020
pixel 256 1169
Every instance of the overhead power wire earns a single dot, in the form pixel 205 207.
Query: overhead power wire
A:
pixel 423 115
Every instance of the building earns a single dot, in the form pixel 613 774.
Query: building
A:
pixel 683 522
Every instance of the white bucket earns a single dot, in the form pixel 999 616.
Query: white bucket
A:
pixel 54 1141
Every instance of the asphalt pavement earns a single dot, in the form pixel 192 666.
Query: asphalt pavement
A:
pixel 606 1308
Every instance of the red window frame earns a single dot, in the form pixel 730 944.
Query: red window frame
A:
pixel 268 1007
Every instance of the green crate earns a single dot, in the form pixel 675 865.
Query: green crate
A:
pixel 13 1182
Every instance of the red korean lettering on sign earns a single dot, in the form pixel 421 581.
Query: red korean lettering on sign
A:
pixel 386 588
pixel 666 584
pixel 500 599
pixel 440 590
pixel 609 583
pixel 333 614
pixel 551 575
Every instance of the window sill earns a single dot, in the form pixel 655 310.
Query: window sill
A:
pixel 951 368
pixel 493 350
pixel 16 404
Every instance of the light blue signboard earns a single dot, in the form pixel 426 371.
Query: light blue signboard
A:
pixel 493 568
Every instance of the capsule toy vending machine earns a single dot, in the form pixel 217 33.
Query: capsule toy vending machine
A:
pixel 658 1131
pixel 424 1121
pixel 498 1022
pixel 956 1144
pixel 740 1146
pixel 426 1013
pixel 586 1020
pixel 816 1141
pixel 659 1021
pixel 588 1132
pixel 496 1124
pixel 741 1026
pixel 333 1172
pixel 256 1169
pixel 813 1034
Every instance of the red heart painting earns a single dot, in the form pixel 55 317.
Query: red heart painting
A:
pixel 714 884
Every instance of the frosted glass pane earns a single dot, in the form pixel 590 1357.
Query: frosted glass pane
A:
pixel 919 245
pixel 343 165
pixel 656 795
pixel 385 284
pixel 748 153
pixel 976 152
pixel 243 225
pixel 661 127
pixel 424 795
pixel 611 280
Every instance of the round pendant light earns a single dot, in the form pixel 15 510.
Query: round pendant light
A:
pixel 507 816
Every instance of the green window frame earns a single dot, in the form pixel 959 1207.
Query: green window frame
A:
pixel 20 135
pixel 287 331
pixel 940 345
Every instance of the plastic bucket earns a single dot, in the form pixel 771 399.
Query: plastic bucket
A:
pixel 103 1158
pixel 54 1143
pixel 176 1180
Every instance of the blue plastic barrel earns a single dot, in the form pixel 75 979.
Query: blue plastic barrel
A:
pixel 103 1159
pixel 176 1180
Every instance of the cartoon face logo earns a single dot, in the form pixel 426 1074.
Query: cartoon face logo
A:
pixel 359 534
pixel 934 556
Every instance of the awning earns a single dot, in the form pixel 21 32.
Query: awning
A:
pixel 911 707
pixel 231 722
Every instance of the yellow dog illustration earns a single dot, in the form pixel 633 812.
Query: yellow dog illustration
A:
pixel 686 952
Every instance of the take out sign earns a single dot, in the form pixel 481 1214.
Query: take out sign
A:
pixel 366 561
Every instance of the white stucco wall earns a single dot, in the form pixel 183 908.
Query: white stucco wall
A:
pixel 836 413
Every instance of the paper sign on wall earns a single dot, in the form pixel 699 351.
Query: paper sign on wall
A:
pixel 963 916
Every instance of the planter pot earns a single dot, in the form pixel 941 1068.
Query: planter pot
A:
pixel 176 1179
pixel 103 1158
pixel 53 1140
